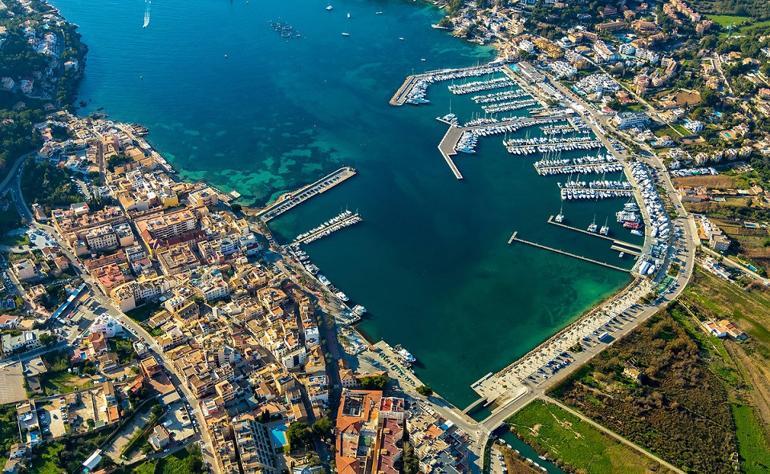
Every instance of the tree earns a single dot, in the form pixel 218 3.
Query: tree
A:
pixel 299 435
pixel 323 427
pixel 47 339
pixel 424 390
pixel 374 382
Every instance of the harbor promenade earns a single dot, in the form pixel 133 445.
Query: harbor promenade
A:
pixel 295 198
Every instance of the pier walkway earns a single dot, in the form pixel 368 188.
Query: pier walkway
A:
pixel 515 238
pixel 447 147
pixel 292 199
pixel 594 234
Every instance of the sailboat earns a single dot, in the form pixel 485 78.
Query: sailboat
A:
pixel 560 216
pixel 592 227
pixel 605 230
pixel 147 5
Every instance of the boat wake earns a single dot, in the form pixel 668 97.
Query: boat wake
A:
pixel 147 5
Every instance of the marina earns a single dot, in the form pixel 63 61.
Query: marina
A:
pixel 338 222
pixel 292 199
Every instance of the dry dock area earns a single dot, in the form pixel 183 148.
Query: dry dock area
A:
pixel 292 199
pixel 447 147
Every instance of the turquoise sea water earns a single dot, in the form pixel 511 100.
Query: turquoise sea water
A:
pixel 231 102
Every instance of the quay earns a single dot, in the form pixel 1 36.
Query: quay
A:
pixel 292 199
pixel 399 98
pixel 447 147
pixel 339 222
pixel 628 245
pixel 514 238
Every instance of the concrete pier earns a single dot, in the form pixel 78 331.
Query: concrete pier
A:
pixel 617 248
pixel 514 238
pixel 292 199
pixel 399 98
pixel 447 147
pixel 594 234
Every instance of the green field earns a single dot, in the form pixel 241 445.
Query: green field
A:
pixel 574 442
pixel 728 21
pixel 186 461
pixel 753 447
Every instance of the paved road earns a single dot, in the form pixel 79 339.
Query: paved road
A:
pixel 12 173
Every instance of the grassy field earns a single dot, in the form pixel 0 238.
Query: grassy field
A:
pixel 186 461
pixel 753 447
pixel 57 379
pixel 729 21
pixel 577 444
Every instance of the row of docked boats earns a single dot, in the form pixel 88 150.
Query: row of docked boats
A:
pixel 583 165
pixel 575 194
pixel 478 86
pixel 598 184
pixel 418 94
pixel 509 106
pixel 340 221
pixel 561 129
pixel 529 146
pixel 499 96
pixel 304 259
